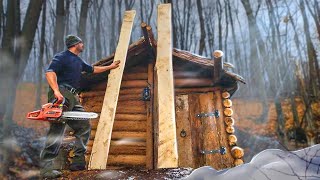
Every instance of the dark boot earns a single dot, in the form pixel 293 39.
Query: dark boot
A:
pixel 78 163
pixel 47 171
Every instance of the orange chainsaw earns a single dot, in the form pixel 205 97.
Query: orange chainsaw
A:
pixel 53 112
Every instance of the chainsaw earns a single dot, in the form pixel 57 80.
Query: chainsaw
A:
pixel 53 112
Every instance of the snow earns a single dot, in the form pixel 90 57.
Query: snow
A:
pixel 269 164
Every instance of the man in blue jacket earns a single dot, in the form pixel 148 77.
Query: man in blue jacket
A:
pixel 63 76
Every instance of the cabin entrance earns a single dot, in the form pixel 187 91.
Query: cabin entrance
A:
pixel 201 130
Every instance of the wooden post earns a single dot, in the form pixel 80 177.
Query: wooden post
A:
pixel 218 65
pixel 167 142
pixel 149 122
pixel 101 145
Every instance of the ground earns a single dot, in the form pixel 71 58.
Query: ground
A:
pixel 130 174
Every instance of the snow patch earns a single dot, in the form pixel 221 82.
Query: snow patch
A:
pixel 269 164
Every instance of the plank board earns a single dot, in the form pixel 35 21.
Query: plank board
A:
pixel 183 125
pixel 167 143
pixel 101 145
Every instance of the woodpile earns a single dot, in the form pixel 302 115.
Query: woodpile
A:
pixel 236 151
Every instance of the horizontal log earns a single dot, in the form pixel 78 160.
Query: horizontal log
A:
pixel 133 106
pixel 134 84
pixel 93 133
pixel 229 121
pixel 131 117
pixel 129 126
pixel 124 134
pixel 237 152
pixel 225 95
pixel 193 82
pixel 130 97
pixel 136 69
pixel 89 94
pixel 94 124
pixel 230 129
pixel 90 143
pixel 125 142
pixel 190 74
pixel 131 91
pixel 132 160
pixel 123 150
pixel 232 139
pixel 86 96
pixel 132 109
pixel 89 108
pixel 132 142
pixel 127 150
pixel 100 87
pixel 129 142
pixel 238 162
pixel 134 136
pixel 135 76
pixel 228 112
pixel 227 103
pixel 195 90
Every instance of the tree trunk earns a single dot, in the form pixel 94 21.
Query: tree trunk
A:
pixel 14 69
pixel 202 28
pixel 59 27
pixel 316 17
pixel 83 19
pixel 40 60
pixel 98 29
pixel 1 18
pixel 219 12
pixel 256 46
pixel 113 28
pixel 313 89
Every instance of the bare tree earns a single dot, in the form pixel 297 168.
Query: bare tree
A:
pixel 40 60
pixel 202 28
pixel 313 88
pixel 98 27
pixel 16 48
pixel 83 19
pixel 256 47
pixel 60 26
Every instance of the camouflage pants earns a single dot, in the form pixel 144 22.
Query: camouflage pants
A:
pixel 56 132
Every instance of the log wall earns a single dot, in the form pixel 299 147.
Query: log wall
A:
pixel 129 135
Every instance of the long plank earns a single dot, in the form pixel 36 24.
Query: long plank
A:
pixel 101 145
pixel 167 143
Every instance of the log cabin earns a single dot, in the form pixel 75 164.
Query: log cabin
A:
pixel 203 110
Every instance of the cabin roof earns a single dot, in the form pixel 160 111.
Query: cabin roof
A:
pixel 142 52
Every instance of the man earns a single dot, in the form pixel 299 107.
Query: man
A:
pixel 63 76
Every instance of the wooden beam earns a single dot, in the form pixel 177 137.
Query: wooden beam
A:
pixel 167 142
pixel 218 65
pixel 101 145
pixel 149 38
pixel 149 123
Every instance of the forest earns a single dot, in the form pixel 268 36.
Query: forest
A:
pixel 272 44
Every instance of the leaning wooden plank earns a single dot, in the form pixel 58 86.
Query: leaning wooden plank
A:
pixel 101 145
pixel 167 143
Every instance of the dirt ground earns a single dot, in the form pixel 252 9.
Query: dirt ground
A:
pixel 129 174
